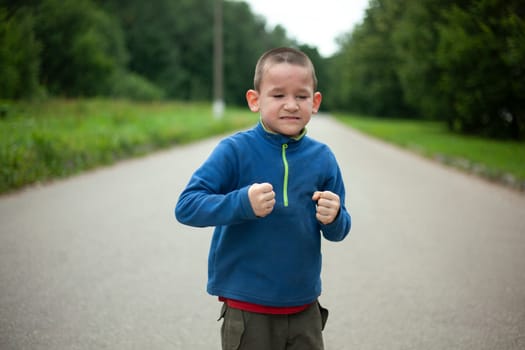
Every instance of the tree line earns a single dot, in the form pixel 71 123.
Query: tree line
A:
pixel 135 49
pixel 459 61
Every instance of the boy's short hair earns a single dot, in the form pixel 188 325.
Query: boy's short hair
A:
pixel 282 55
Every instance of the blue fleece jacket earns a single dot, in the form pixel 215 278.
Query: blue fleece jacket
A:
pixel 275 260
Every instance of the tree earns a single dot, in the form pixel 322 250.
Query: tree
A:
pixel 364 77
pixel 241 50
pixel 82 47
pixel 19 55
pixel 415 40
pixel 481 54
pixel 134 48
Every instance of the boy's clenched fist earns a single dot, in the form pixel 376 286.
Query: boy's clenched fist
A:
pixel 262 198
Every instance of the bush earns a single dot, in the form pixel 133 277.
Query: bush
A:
pixel 135 87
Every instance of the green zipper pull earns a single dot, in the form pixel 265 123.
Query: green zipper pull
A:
pixel 285 181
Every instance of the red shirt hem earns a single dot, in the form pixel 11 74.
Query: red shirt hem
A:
pixel 263 309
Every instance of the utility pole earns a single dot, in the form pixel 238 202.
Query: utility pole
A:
pixel 218 95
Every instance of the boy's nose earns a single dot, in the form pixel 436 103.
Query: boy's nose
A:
pixel 291 105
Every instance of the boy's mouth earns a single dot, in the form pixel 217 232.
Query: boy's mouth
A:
pixel 289 117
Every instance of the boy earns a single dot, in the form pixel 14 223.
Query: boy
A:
pixel 270 192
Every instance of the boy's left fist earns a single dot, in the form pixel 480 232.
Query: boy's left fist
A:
pixel 328 205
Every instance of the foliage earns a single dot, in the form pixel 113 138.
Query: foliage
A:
pixel 44 140
pixel 458 61
pixel 482 55
pixel 494 159
pixel 171 44
pixel 369 83
pixel 81 47
pixel 133 86
pixel 415 39
pixel 149 50
pixel 19 55
pixel 240 48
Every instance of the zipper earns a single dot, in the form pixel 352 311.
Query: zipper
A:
pixel 285 180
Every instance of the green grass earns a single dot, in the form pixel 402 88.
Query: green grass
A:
pixel 40 141
pixel 502 161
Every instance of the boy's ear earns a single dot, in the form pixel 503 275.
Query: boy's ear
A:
pixel 252 97
pixel 317 102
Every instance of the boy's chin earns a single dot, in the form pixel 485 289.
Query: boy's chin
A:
pixel 291 133
pixel 288 130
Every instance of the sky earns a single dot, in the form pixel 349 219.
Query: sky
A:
pixel 316 23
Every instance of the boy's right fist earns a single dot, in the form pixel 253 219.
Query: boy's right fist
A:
pixel 262 198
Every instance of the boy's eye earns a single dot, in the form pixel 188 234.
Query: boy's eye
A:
pixel 302 97
pixel 278 96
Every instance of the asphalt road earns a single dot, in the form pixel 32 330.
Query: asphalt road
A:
pixel 435 259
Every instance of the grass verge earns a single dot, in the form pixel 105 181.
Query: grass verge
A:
pixel 40 141
pixel 500 161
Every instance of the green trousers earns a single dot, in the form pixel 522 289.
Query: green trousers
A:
pixel 243 330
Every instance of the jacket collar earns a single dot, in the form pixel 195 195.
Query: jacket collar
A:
pixel 276 138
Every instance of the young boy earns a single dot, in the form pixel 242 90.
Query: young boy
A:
pixel 270 192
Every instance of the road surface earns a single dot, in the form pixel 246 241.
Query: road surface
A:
pixel 435 258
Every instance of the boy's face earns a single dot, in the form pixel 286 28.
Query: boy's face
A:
pixel 286 99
